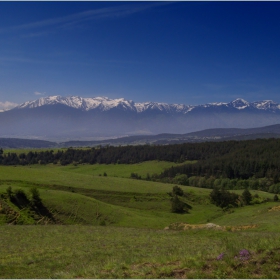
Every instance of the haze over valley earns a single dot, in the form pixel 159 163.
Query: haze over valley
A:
pixel 59 118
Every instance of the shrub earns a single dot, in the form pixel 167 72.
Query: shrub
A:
pixel 256 200
pixel 9 192
pixel 19 198
pixel 181 179
pixel 35 196
pixel 135 176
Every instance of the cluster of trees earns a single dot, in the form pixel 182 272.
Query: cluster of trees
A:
pixel 219 196
pixel 247 164
pixel 262 184
pixel 233 159
pixel 31 202
pixel 21 199
pixel 225 199
pixel 230 164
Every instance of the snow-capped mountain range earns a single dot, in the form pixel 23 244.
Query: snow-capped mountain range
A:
pixel 76 118
pixel 105 104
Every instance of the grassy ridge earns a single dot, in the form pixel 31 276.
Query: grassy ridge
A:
pixel 86 176
pixel 121 201
pixel 118 209
pixel 123 170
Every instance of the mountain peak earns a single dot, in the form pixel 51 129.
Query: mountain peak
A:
pixel 239 103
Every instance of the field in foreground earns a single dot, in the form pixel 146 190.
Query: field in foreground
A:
pixel 110 252
pixel 113 227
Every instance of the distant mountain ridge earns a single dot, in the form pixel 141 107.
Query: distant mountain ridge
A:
pixel 216 134
pixel 57 118
pixel 105 104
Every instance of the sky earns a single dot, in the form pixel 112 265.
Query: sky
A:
pixel 174 52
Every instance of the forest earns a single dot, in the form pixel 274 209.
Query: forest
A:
pixel 230 164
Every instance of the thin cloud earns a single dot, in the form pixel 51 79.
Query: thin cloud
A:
pixel 5 106
pixel 39 93
pixel 111 12
pixel 35 34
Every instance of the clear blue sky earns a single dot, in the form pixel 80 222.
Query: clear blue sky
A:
pixel 174 52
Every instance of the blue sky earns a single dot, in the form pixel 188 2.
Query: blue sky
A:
pixel 174 52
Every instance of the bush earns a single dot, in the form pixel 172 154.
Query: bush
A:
pixel 256 200
pixel 35 196
pixel 9 192
pixel 181 179
pixel 19 198
pixel 135 176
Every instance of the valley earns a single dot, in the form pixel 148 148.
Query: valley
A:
pixel 210 135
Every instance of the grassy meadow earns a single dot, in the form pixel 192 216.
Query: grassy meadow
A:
pixel 116 227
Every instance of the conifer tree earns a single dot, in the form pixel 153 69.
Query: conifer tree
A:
pixel 247 197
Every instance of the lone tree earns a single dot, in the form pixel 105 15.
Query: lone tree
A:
pixel 247 197
pixel 177 191
pixel 177 206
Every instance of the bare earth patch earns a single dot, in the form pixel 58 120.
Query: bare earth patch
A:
pixel 275 208
pixel 184 226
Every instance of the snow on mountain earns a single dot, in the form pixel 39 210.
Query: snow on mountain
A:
pixel 77 102
pixel 266 105
pixel 164 107
pixel 128 117
pixel 105 104
pixel 239 104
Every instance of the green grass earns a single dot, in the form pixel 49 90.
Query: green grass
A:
pixel 121 209
pixel 112 227
pixel 110 252
pixel 122 170
pixel 253 215
pixel 65 176
pixel 74 192
pixel 27 150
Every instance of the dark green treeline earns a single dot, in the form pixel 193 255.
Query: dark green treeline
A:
pixel 233 160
